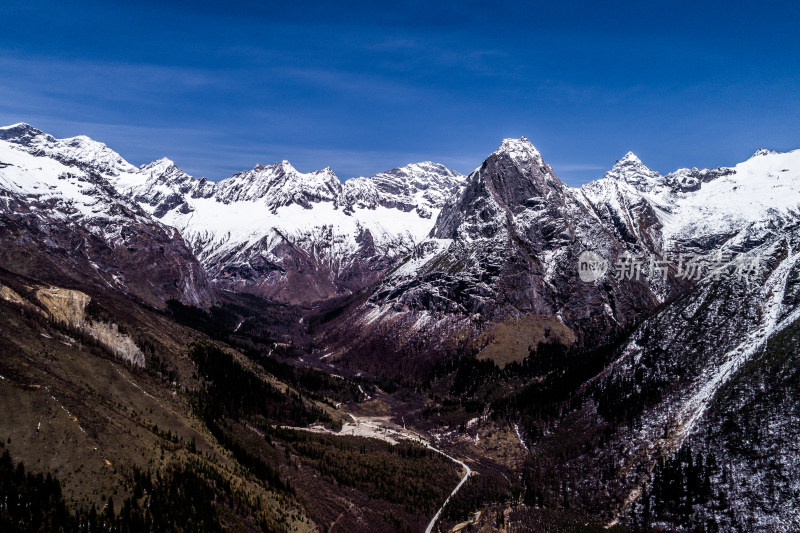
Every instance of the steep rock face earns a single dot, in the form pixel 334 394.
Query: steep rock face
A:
pixel 61 220
pixel 508 246
pixel 618 200
pixel 291 236
pixel 678 367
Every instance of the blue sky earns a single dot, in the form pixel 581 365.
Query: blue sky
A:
pixel 367 86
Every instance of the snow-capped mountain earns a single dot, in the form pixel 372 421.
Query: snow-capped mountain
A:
pixel 79 150
pixel 506 249
pixel 62 219
pixel 505 252
pixel 272 230
pixel 683 378
pixel 694 358
pixel 692 294
pixel 293 236
pixel 424 187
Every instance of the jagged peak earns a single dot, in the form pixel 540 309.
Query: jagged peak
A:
pixel 260 167
pixel 80 148
pixel 328 171
pixel 21 131
pixel 419 170
pixel 159 165
pixel 630 157
pixel 426 165
pixel 278 183
pixel 517 148
pixel 630 169
pixel 163 161
pixel 21 126
pixel 287 169
pixel 763 151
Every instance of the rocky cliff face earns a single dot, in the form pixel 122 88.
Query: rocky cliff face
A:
pixel 66 307
pixel 704 378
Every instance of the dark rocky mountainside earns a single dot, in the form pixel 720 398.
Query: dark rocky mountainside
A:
pixel 506 251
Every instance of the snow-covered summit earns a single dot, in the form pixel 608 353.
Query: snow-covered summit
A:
pixel 694 204
pixel 763 151
pixel 20 133
pixel 423 187
pixel 630 169
pixel 158 165
pixel 728 200
pixel 258 228
pixel 520 150
pixel 630 157
pixel 279 184
pixel 80 149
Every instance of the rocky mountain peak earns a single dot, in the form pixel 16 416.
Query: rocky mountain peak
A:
pixel 160 166
pixel 762 152
pixel 80 150
pixel 279 184
pixel 521 150
pixel 422 187
pixel 20 133
pixel 631 170
pixel 516 174
pixel 630 158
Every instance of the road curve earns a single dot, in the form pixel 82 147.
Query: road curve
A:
pixel 468 473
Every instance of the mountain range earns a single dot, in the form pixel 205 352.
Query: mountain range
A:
pixel 658 390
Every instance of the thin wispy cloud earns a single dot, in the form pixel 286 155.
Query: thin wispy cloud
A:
pixel 219 88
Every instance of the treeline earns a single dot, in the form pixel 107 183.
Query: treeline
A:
pixel 217 322
pixel 479 491
pixel 186 498
pixel 538 393
pixel 232 391
pixel 248 458
pixel 623 399
pixel 545 399
pixel 315 384
pixel 405 473
pixel 548 379
pixel 31 502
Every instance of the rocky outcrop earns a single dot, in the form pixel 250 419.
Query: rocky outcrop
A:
pixel 67 307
